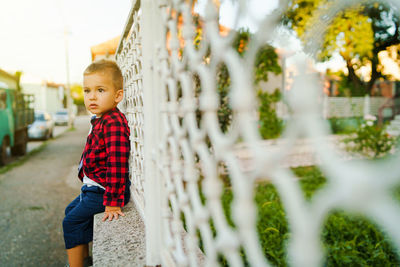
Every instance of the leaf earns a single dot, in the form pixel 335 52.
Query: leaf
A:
pixel 271 229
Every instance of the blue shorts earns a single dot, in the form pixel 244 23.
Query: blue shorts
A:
pixel 79 214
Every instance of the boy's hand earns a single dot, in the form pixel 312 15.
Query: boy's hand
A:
pixel 112 212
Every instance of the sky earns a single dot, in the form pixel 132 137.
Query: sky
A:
pixel 34 32
pixel 33 35
pixel 256 11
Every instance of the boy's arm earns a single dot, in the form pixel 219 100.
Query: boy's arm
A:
pixel 116 137
pixel 112 212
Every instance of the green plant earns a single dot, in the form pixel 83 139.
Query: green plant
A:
pixel 352 240
pixel 370 140
pixel 270 126
pixel 266 61
pixel 223 86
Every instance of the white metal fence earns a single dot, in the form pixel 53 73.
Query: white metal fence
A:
pixel 178 148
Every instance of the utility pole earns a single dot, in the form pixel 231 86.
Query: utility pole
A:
pixel 68 84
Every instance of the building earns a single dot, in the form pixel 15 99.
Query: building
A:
pixel 48 96
pixel 105 50
pixel 8 80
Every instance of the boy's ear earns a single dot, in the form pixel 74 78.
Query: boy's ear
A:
pixel 119 95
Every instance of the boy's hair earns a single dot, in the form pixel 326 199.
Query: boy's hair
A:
pixel 107 65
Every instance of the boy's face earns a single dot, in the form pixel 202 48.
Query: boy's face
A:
pixel 100 94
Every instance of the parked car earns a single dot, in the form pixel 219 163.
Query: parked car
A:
pixel 61 117
pixel 42 127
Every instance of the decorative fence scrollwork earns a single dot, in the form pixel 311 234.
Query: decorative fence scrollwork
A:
pixel 129 58
pixel 182 162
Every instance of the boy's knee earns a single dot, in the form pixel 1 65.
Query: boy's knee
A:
pixel 71 206
pixel 67 209
pixel 70 222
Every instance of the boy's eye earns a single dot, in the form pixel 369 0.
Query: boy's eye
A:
pixel 86 91
pixel 101 90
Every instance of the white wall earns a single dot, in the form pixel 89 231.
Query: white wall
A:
pixel 46 98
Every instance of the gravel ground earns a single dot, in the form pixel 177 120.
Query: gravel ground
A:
pixel 33 197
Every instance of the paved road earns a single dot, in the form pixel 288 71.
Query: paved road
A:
pixel 32 201
pixel 33 144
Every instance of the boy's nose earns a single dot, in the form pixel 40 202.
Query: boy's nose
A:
pixel 92 96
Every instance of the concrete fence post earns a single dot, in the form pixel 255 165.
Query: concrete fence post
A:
pixel 151 132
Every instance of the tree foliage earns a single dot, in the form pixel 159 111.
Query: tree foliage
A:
pixel 357 34
pixel 77 94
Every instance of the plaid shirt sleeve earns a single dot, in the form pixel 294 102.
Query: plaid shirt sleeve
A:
pixel 116 138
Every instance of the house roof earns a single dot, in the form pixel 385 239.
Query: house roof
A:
pixel 8 75
pixel 107 48
pixel 54 85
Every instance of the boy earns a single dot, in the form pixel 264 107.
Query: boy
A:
pixel 104 167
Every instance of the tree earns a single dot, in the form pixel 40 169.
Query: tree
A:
pixel 77 94
pixel 18 75
pixel 357 34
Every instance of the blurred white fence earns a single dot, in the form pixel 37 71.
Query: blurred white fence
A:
pixel 342 107
pixel 178 147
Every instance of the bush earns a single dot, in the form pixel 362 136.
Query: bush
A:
pixel 345 125
pixel 370 140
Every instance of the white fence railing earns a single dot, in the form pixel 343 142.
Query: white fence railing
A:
pixel 342 107
pixel 130 61
pixel 179 151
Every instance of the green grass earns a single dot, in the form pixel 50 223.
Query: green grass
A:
pixel 71 129
pixel 348 239
pixel 23 159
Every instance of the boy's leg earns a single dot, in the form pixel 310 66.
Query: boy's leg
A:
pixel 77 254
pixel 86 251
pixel 78 224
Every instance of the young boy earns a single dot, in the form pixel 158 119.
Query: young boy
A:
pixel 104 167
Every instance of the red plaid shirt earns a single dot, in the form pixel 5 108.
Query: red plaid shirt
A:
pixel 105 158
